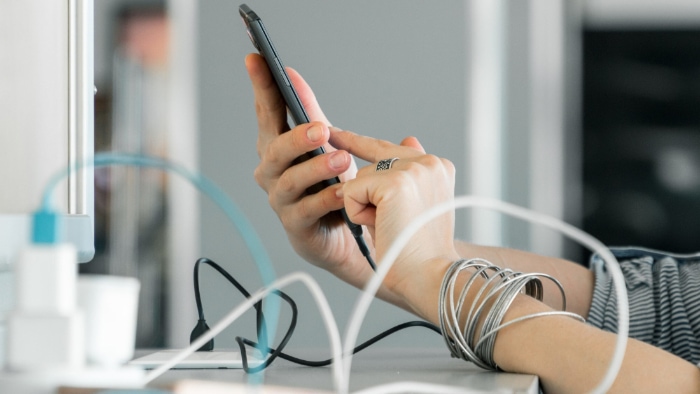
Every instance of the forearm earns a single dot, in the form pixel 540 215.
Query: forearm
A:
pixel 567 355
pixel 576 279
pixel 570 356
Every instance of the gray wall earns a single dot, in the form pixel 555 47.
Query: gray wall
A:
pixel 387 69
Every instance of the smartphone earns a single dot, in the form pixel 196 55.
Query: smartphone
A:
pixel 262 42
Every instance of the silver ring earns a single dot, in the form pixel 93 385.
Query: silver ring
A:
pixel 385 164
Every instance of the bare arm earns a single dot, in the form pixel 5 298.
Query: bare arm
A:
pixel 577 280
pixel 567 355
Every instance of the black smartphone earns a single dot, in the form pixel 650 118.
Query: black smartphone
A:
pixel 262 42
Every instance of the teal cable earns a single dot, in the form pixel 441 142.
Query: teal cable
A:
pixel 206 187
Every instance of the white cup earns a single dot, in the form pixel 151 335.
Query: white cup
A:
pixel 110 305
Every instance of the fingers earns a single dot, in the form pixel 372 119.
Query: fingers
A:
pixel 280 154
pixel 280 173
pixel 306 212
pixel 294 183
pixel 388 201
pixel 437 166
pixel 359 198
pixel 372 149
pixel 407 182
pixel 412 142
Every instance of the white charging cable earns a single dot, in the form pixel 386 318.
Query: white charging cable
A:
pixel 341 364
pixel 364 300
pixel 321 302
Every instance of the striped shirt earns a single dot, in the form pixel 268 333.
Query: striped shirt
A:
pixel 664 299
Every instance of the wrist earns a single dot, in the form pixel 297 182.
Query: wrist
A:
pixel 419 288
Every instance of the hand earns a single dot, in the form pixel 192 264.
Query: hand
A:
pixel 311 221
pixel 387 201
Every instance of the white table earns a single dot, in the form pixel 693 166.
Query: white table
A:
pixel 371 367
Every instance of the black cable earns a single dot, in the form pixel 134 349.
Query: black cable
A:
pixel 370 261
pixel 274 353
pixel 356 231
pixel 201 324
pixel 261 326
pixel 357 349
pixel 364 249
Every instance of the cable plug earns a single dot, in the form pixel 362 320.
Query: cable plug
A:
pixel 45 227
pixel 197 332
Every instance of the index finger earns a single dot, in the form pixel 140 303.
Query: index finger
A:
pixel 368 148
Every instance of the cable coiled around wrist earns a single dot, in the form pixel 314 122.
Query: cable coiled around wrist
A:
pixel 489 305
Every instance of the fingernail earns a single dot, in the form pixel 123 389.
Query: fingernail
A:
pixel 338 159
pixel 314 133
pixel 339 192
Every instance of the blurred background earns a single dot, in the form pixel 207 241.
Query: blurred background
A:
pixel 585 110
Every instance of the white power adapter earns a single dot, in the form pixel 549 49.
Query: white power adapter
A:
pixel 46 329
pixel 46 341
